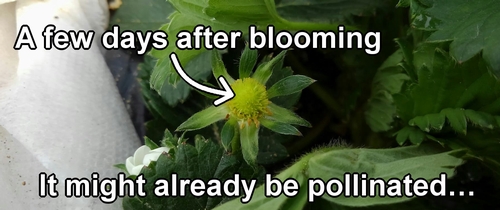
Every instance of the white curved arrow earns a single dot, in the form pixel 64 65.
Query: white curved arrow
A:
pixel 226 93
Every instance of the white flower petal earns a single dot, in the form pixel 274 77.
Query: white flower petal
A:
pixel 136 170
pixel 150 157
pixel 139 154
pixel 129 164
pixel 161 149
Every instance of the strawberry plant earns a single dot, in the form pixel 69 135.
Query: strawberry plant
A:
pixel 426 106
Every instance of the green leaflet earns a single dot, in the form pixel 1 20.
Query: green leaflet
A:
pixel 443 83
pixel 179 21
pixel 260 201
pixel 190 14
pixel 456 118
pixel 219 15
pixel 445 93
pixel 420 161
pixel 388 80
pixel 423 161
pixel 415 135
pixel 470 25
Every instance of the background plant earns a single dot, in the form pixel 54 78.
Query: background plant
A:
pixel 433 85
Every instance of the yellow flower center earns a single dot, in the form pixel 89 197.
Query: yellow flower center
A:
pixel 250 102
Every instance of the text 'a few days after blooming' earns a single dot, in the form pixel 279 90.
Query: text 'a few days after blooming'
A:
pixel 251 107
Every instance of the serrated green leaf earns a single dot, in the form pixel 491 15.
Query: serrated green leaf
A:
pixel 472 25
pixel 249 139
pixel 204 118
pixel 150 143
pixel 283 115
pixel 260 201
pixel 206 160
pixel 422 161
pixel 402 135
pixel 219 15
pixel 282 128
pixel 380 112
pixel 181 21
pixel 415 135
pixel 434 121
pixel 481 119
pixel 406 49
pixel 446 84
pixel 198 68
pixel 387 81
pixel 247 62
pixel 165 116
pixel 229 133
pixel 289 85
pixel 457 119
pixel 422 122
pixel 420 19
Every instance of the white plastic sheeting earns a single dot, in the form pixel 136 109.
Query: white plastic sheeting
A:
pixel 60 111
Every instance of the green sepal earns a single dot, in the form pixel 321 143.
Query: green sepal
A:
pixel 265 70
pixel 289 85
pixel 204 118
pixel 281 128
pixel 247 62
pixel 249 139
pixel 280 114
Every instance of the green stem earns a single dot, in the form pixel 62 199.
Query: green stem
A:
pixel 283 24
pixel 301 165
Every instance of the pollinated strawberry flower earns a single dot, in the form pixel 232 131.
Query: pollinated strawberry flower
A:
pixel 251 107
